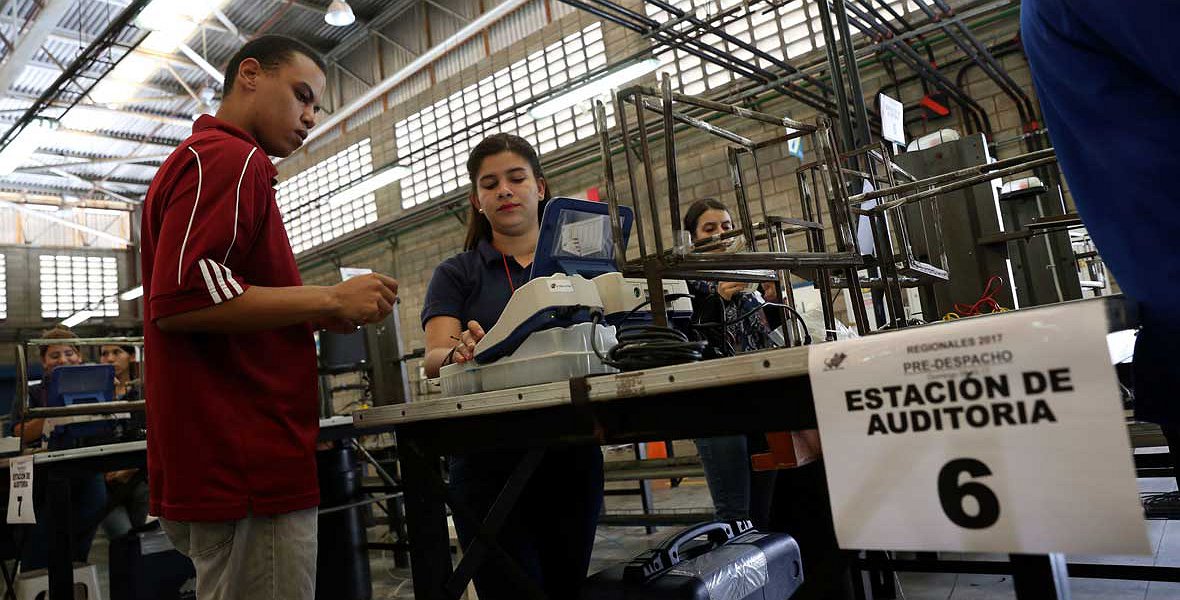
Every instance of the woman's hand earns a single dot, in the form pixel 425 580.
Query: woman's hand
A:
pixel 465 349
pixel 770 292
pixel 727 289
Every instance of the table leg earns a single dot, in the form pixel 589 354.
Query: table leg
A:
pixel 61 543
pixel 426 521
pixel 1040 576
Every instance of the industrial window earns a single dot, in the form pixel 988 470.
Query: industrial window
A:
pixel 3 288
pixel 311 215
pixel 71 283
pixel 434 142
pixel 783 30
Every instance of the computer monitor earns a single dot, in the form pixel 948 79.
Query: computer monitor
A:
pixel 576 238
pixel 343 352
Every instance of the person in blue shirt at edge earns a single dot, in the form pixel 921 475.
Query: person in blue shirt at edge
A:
pixel 1108 80
pixel 550 531
pixel 795 500
pixel 87 490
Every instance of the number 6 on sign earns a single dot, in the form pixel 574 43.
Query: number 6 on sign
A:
pixel 934 441
pixel 951 494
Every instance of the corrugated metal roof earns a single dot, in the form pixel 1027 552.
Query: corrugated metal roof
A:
pixel 162 109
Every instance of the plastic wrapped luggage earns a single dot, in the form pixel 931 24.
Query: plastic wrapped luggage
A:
pixel 711 561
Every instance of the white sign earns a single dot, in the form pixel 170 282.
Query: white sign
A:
pixel 347 273
pixel 892 119
pixel 994 434
pixel 20 490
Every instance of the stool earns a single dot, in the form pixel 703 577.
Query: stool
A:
pixel 35 585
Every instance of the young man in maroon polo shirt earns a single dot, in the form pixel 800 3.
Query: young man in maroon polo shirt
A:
pixel 230 359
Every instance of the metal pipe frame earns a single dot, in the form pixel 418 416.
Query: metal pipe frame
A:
pixel 903 51
pixel 690 41
pixel 681 259
pixel 612 197
pixel 631 170
pixel 992 169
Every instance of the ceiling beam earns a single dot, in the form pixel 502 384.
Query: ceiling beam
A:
pixel 30 43
pixel 163 142
pixel 153 160
pixel 449 11
pixel 151 87
pixel 83 39
pixel 46 216
pixel 179 120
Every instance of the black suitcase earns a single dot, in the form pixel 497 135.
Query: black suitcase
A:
pixel 732 562
pixel 145 566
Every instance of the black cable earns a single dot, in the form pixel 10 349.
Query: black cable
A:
pixel 647 346
pixel 739 319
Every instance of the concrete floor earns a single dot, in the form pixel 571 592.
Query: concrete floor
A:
pixel 616 544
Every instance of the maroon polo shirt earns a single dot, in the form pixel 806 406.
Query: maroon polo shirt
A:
pixel 232 419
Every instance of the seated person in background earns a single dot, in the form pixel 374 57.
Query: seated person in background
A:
pixel 737 491
pixel 51 357
pixel 795 500
pixel 87 491
pixel 127 490
pixel 121 358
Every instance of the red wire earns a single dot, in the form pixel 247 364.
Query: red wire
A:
pixel 988 300
pixel 508 273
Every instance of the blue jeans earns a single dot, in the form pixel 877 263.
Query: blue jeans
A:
pixel 737 491
pixel 727 471
pixel 550 531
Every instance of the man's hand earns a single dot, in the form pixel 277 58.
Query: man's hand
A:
pixel 363 299
pixel 465 350
pixel 727 289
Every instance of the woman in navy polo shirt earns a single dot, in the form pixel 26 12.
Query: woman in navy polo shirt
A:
pixel 550 531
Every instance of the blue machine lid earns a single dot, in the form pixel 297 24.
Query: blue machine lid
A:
pixel 576 238
pixel 78 384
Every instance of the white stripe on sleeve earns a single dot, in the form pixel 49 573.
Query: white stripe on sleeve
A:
pixel 217 274
pixel 209 282
pixel 229 278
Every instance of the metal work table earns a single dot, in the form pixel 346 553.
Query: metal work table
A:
pixel 757 392
pixel 57 466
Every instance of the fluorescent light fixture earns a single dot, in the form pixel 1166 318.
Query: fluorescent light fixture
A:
pixel 590 89
pixel 84 118
pixel 77 318
pixel 111 91
pixel 166 42
pixel 20 149
pixel 173 21
pixel 132 293
pixel 370 184
pixel 339 14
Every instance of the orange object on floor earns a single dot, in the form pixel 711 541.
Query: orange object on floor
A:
pixel 788 449
pixel 656 450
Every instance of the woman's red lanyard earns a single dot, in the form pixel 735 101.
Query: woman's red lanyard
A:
pixel 508 273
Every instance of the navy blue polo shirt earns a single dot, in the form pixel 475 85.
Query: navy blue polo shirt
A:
pixel 1108 79
pixel 473 286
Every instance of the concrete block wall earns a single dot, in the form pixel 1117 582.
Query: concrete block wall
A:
pixel 412 254
pixel 23 289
